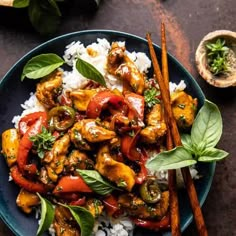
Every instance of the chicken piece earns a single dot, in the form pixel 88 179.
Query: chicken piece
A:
pixel 26 201
pixel 57 155
pixel 91 131
pixel 95 207
pixel 64 223
pixel 81 98
pixel 113 170
pixel 10 144
pixel 49 89
pixel 156 126
pixel 184 108
pixel 135 206
pixel 78 160
pixel 120 65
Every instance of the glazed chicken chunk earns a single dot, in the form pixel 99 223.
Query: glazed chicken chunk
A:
pixel 184 108
pixel 120 65
pixel 156 126
pixel 49 88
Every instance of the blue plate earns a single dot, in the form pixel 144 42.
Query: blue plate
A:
pixel 13 93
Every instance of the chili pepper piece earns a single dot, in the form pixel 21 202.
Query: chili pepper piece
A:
pixel 163 224
pixel 56 114
pixel 27 184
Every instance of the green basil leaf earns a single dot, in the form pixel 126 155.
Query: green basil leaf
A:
pixel 174 159
pixel 213 154
pixel 47 215
pixel 41 65
pixel 95 181
pixel 44 16
pixel 20 3
pixel 207 126
pixel 55 6
pixel 83 217
pixel 187 142
pixel 89 71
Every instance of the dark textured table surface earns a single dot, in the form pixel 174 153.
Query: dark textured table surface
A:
pixel 186 23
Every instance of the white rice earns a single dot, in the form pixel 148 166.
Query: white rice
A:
pixel 74 80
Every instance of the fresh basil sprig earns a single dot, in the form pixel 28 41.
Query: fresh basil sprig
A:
pixel 198 146
pixel 47 215
pixel 41 65
pixel 83 217
pixel 95 181
pixel 89 71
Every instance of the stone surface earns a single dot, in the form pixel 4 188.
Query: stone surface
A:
pixel 186 23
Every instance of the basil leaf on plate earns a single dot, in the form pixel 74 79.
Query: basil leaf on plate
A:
pixel 83 217
pixel 207 126
pixel 47 215
pixel 89 71
pixel 41 65
pixel 20 3
pixel 213 154
pixel 174 159
pixel 187 142
pixel 95 181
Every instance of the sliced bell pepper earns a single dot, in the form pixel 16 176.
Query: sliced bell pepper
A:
pixel 104 99
pixel 36 121
pixel 111 205
pixel 136 103
pixel 68 184
pixel 25 183
pixel 128 146
pixel 163 224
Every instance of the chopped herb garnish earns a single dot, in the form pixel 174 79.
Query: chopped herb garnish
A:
pixel 151 97
pixel 43 142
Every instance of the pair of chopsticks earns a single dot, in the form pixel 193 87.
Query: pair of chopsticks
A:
pixel 174 140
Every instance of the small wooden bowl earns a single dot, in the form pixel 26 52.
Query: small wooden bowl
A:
pixel 221 80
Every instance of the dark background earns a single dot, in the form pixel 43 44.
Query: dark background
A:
pixel 187 22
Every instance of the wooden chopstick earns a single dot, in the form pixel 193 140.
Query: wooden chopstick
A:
pixel 197 213
pixel 174 203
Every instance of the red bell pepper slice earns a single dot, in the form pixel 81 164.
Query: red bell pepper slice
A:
pixel 163 224
pixel 128 146
pixel 28 120
pixel 68 184
pixel 104 99
pixel 27 184
pixel 34 122
pixel 136 103
pixel 142 175
pixel 111 205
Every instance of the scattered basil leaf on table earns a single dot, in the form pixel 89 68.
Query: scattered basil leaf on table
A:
pixel 89 71
pixel 21 3
pixel 96 182
pixel 44 15
pixel 83 217
pixel 198 146
pixel 41 65
pixel 47 215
